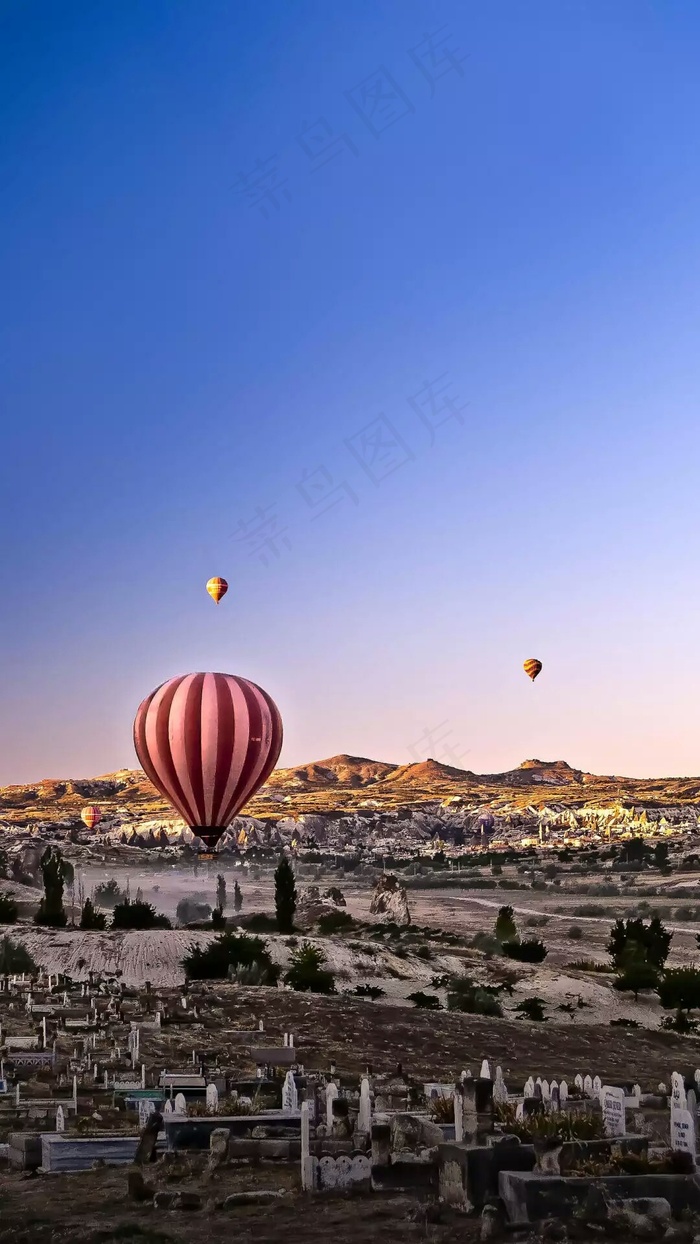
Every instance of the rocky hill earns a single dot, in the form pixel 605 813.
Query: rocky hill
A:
pixel 361 787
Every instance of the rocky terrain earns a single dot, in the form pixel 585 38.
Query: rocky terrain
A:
pixel 351 799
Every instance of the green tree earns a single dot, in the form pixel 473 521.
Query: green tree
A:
pixel 306 971
pixel 285 896
pixel 237 898
pixel 221 892
pixel 679 989
pixel 506 930
pixel 652 941
pixel 661 855
pixel 529 950
pixel 8 909
pixel 15 959
pixel 636 973
pixel 91 918
pixel 51 910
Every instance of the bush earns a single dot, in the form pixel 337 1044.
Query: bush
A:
pixel 128 915
pixel 189 911
pixel 686 913
pixel 589 909
pixel 218 919
pixel 575 933
pixel 537 922
pixel 624 1023
pixel 335 922
pixel 505 930
pixel 90 918
pixel 634 938
pixel 587 965
pixel 232 955
pixel 14 959
pixel 533 1009
pixel 306 972
pixel 423 952
pixel 8 909
pixel 426 1001
pixel 486 943
pixel 260 922
pixel 464 995
pixel 680 988
pixel 369 991
pixel 530 950
pixel 107 893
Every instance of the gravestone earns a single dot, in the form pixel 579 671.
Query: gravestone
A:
pixel 682 1131
pixel 578 1081
pixel 290 1097
pixel 563 1093
pixel 679 1099
pixel 500 1089
pixel 529 1089
pixel 364 1118
pixel 612 1101
pixel 485 1073
pixel 180 1104
pixel 168 1109
pixel 60 1120
pixel 212 1099
pixel 597 1086
pixel 588 1086
pixel 331 1094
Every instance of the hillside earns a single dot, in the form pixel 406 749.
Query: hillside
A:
pixel 356 784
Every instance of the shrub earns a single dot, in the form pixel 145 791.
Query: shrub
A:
pixel 128 915
pixel 589 909
pixel 532 1008
pixel 680 988
pixel 588 965
pixel 107 893
pixel 306 972
pixel 14 959
pixel 90 918
pixel 426 1001
pixel 442 981
pixel 505 930
pixel 423 952
pixel 218 919
pixel 624 1023
pixel 575 933
pixel 537 922
pixel 8 909
pixel 189 911
pixel 557 1124
pixel 369 991
pixel 636 975
pixel 686 913
pixel 260 922
pixel 233 955
pixel 486 943
pixel 335 922
pixel 652 942
pixel 531 950
pixel 464 995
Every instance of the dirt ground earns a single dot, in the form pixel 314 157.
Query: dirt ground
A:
pixel 93 1208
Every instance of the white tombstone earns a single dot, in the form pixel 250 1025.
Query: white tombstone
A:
pixel 563 1093
pixel 180 1104
pixel 683 1131
pixel 697 1079
pixel 692 1102
pixel 364 1118
pixel 529 1089
pixel 637 1091
pixel 485 1073
pixel 588 1086
pixel 597 1086
pixel 212 1099
pixel 290 1097
pixel 520 1111
pixel 145 1109
pixel 612 1101
pixel 578 1081
pixel 143 1075
pixel 168 1107
pixel 105 1079
pixel 307 1162
pixel 331 1094
pixel 679 1099
pixel 75 1092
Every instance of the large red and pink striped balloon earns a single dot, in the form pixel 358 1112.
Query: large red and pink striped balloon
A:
pixel 208 742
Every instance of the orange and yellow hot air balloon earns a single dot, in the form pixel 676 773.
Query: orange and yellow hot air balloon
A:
pixel 532 667
pixel 217 587
pixel 91 816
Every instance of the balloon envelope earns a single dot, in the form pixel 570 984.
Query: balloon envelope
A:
pixel 217 588
pixel 91 816
pixel 208 742
pixel 532 668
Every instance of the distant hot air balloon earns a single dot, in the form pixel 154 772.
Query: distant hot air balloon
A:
pixel 207 742
pixel 91 816
pixel 532 668
pixel 217 588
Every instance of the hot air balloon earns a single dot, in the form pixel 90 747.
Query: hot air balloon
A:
pixel 208 742
pixel 532 668
pixel 217 588
pixel 91 816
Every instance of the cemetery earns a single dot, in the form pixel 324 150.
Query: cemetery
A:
pixel 199 1102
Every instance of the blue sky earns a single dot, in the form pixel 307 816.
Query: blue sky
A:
pixel 244 246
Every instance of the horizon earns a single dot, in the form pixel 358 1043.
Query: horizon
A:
pixel 386 316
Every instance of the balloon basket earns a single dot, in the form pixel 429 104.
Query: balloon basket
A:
pixel 206 856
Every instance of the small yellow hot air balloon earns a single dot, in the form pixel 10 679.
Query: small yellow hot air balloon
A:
pixel 217 587
pixel 532 668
